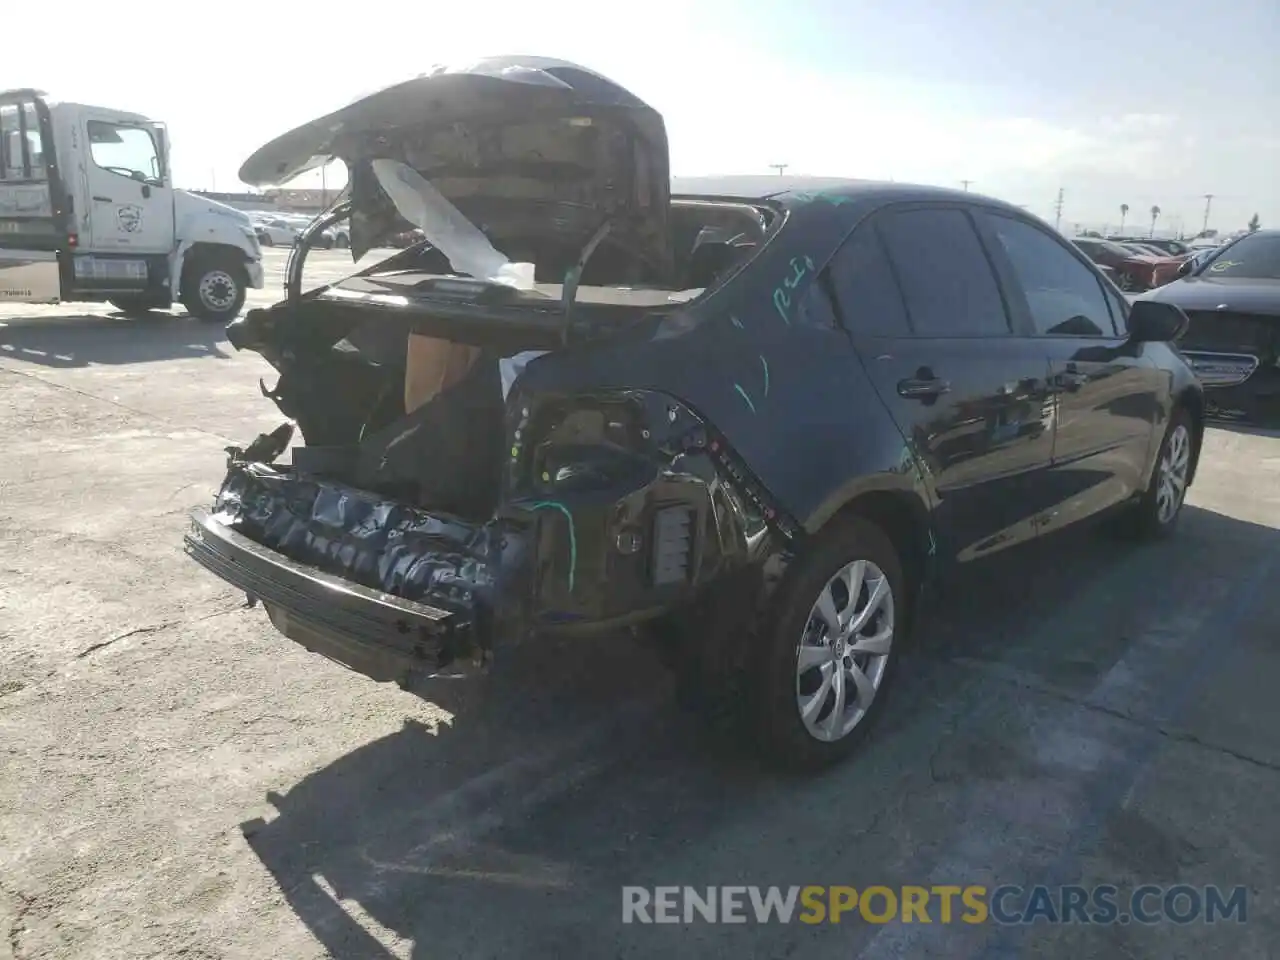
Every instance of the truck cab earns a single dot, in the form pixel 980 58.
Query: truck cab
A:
pixel 88 213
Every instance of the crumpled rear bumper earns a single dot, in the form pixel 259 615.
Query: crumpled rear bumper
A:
pixel 381 636
pixel 383 588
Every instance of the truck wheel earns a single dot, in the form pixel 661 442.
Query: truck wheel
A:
pixel 214 286
pixel 828 652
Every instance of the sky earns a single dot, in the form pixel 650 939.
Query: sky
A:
pixel 1145 103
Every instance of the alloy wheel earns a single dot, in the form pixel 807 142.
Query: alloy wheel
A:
pixel 1175 463
pixel 844 650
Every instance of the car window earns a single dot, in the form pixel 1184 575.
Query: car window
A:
pixel 866 292
pixel 945 277
pixel 815 310
pixel 124 150
pixel 1064 296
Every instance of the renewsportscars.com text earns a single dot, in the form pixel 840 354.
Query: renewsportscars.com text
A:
pixel 1103 904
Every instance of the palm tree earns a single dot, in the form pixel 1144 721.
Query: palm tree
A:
pixel 1124 212
pixel 1155 215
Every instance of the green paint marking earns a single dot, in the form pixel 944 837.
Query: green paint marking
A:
pixel 765 363
pixel 742 393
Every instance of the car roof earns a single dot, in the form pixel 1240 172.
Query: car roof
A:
pixel 875 192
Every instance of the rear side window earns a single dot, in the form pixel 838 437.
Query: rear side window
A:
pixel 866 292
pixel 946 279
pixel 1063 296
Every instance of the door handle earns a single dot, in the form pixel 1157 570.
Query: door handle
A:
pixel 98 199
pixel 922 388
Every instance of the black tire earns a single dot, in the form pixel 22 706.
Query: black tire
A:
pixel 136 308
pixel 214 287
pixel 1148 519
pixel 773 676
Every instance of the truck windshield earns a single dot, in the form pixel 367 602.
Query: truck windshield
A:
pixel 22 155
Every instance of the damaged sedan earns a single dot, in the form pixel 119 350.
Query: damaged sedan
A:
pixel 748 420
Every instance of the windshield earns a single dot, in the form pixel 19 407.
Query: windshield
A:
pixel 1256 256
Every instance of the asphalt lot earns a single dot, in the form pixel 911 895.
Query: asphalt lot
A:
pixel 178 781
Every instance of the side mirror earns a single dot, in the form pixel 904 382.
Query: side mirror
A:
pixel 1153 322
pixel 1186 266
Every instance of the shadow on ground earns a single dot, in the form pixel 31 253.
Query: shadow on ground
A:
pixel 79 341
pixel 511 831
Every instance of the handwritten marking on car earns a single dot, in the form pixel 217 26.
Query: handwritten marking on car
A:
pixel 801 267
pixel 742 393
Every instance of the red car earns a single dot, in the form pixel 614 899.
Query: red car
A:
pixel 1134 270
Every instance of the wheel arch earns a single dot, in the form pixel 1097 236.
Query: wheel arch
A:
pixel 901 511
pixel 194 251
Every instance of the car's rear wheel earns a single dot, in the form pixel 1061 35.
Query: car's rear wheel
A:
pixel 829 651
pixel 1156 514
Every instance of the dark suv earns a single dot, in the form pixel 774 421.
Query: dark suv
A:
pixel 761 421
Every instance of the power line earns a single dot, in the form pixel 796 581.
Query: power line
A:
pixel 1057 211
pixel 965 184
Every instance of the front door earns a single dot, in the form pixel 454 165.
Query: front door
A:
pixel 1107 392
pixel 926 315
pixel 130 207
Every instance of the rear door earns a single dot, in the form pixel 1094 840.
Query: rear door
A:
pixel 1107 391
pixel 31 222
pixel 920 299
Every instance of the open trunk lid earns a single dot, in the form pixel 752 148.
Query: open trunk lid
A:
pixel 522 146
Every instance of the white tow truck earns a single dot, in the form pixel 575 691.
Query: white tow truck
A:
pixel 88 212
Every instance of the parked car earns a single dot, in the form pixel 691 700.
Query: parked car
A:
pixel 1174 248
pixel 1134 270
pixel 762 422
pixel 1232 297
pixel 275 232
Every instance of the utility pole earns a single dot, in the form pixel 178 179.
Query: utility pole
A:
pixel 1208 199
pixel 1057 210
pixel 779 167
pixel 965 184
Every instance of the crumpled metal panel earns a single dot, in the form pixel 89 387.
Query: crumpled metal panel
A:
pixel 381 544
